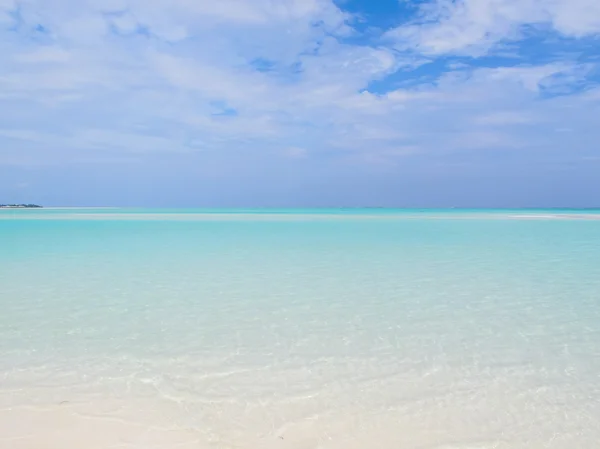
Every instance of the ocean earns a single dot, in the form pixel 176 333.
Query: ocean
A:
pixel 299 329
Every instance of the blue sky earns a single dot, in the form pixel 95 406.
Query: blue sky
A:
pixel 300 102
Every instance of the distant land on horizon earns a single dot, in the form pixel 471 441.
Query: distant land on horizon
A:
pixel 19 206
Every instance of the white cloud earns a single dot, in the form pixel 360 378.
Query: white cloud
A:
pixel 505 118
pixel 44 54
pixel 474 26
pixel 158 76
pixel 535 77
pixel 5 7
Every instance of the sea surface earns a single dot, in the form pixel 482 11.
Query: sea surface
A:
pixel 299 329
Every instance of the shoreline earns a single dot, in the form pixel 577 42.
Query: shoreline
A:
pixel 325 215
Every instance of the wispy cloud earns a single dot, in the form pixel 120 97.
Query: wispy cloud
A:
pixel 473 27
pixel 155 76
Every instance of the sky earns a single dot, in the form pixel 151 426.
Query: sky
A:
pixel 300 103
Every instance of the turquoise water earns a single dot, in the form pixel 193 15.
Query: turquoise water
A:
pixel 299 329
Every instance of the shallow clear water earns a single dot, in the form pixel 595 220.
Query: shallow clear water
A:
pixel 299 329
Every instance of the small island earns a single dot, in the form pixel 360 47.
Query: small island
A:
pixel 19 206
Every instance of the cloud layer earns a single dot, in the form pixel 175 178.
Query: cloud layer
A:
pixel 237 85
